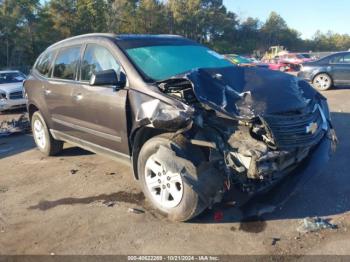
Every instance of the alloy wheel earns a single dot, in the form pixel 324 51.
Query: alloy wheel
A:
pixel 166 187
pixel 322 82
pixel 39 134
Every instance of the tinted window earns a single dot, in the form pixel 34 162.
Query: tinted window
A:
pixel 97 58
pixel 66 63
pixel 11 77
pixel 336 59
pixel 44 64
pixel 341 59
pixel 346 59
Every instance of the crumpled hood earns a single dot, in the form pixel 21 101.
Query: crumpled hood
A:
pixel 247 92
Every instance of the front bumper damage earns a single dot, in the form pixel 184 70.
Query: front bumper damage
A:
pixel 250 140
pixel 289 179
pixel 7 104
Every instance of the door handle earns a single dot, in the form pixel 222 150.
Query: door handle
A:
pixel 78 97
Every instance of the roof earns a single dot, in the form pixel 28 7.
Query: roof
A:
pixel 145 37
pixel 135 41
pixel 341 53
pixel 132 40
pixel 105 35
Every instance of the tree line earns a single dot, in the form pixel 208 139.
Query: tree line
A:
pixel 27 27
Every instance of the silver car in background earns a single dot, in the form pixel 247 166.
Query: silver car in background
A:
pixel 11 90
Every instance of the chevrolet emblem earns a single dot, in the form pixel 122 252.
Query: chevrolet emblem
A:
pixel 312 128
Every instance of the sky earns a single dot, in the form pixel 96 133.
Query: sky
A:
pixel 306 16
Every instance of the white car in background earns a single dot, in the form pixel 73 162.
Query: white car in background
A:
pixel 11 90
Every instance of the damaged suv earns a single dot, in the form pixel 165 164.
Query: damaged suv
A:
pixel 196 129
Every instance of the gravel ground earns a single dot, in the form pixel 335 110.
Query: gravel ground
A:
pixel 78 203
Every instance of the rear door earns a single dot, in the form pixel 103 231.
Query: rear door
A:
pixel 58 90
pixel 99 113
pixel 341 69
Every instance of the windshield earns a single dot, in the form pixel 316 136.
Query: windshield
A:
pixel 163 62
pixel 11 77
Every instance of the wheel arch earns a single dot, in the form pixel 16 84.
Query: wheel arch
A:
pixel 32 108
pixel 139 137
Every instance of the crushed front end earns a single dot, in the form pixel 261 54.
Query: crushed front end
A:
pixel 251 149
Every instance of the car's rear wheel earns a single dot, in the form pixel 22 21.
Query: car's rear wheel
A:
pixel 165 188
pixel 42 137
pixel 322 82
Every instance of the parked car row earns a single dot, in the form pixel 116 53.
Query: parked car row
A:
pixel 283 63
pixel 332 70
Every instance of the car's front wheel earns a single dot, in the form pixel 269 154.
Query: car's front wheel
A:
pixel 163 182
pixel 42 137
pixel 322 82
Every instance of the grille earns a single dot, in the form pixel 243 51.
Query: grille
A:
pixel 16 95
pixel 296 130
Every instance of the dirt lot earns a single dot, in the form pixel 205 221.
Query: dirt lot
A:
pixel 78 202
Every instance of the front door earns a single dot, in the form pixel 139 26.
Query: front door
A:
pixel 100 111
pixel 59 88
pixel 341 70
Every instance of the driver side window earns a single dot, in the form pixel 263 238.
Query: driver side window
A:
pixel 97 58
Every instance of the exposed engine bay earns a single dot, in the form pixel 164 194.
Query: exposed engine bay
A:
pixel 252 146
pixel 254 126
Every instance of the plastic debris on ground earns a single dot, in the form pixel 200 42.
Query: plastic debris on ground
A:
pixel 73 171
pixel 19 125
pixel 275 240
pixel 110 203
pixel 3 189
pixel 315 224
pixel 136 211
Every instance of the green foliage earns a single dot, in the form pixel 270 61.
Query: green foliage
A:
pixel 27 27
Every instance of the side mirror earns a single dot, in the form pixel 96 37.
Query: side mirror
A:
pixel 108 77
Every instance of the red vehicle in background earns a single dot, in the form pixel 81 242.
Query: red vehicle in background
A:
pixel 277 65
pixel 295 59
pixel 288 62
pixel 307 57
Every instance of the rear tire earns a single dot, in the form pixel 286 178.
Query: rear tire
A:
pixel 322 82
pixel 180 201
pixel 42 137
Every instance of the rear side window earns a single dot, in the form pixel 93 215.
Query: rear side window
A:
pixel 66 63
pixel 44 64
pixel 337 59
pixel 346 59
pixel 97 58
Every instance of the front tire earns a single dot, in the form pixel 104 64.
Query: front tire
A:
pixel 42 137
pixel 165 189
pixel 322 82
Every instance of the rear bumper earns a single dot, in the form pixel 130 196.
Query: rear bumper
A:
pixel 12 104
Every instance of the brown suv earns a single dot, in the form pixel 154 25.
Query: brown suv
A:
pixel 196 129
